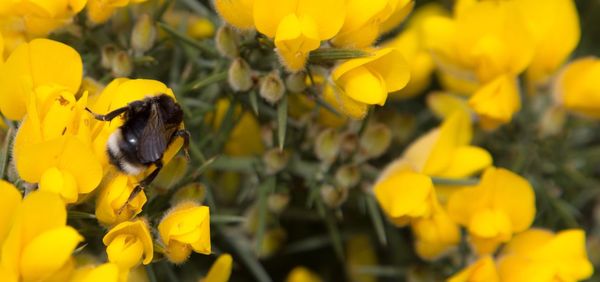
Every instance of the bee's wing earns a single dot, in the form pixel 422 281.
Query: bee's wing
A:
pixel 153 141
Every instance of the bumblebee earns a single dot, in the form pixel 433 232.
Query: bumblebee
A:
pixel 150 126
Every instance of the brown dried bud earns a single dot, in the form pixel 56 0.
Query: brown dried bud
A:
pixel 227 41
pixel 327 145
pixel 143 34
pixel 375 140
pixel 122 65
pixel 296 82
pixel 239 75
pixel 275 160
pixel 272 87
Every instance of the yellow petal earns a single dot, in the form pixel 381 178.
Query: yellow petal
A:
pixel 496 102
pixel 364 85
pixel 512 194
pixel 328 15
pixel 59 182
pixel 220 270
pixel 133 238
pixel 189 224
pixel 443 104
pixel 302 274
pixel 403 9
pixel 268 14
pixel 107 272
pixel 489 224
pixel 125 250
pixel 454 132
pixel 237 13
pixel 47 252
pixel 294 39
pixel 31 63
pixel 36 203
pixel 10 200
pixel 576 88
pixel 335 97
pixel 405 194
pixel 483 270
pixel 436 235
pixel 467 160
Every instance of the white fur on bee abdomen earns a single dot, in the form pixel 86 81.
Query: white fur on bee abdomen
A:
pixel 113 147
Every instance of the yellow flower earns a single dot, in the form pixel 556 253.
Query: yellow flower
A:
pixel 220 270
pixel 405 195
pixel 30 66
pixel 360 253
pixel 541 255
pixel 503 203
pixel 410 43
pixel 114 195
pixel 196 27
pixel 52 146
pixel 367 81
pixel 38 247
pixel 244 139
pixel 555 28
pixel 40 17
pixel 435 235
pixel 496 102
pixel 577 88
pixel 364 18
pixel 302 274
pixel 445 151
pixel 485 39
pixel 99 11
pixel 444 104
pixel 238 13
pixel 186 227
pixel 127 243
pixel 298 26
pixel 107 272
pixel 483 270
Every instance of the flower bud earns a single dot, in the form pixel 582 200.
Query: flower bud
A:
pixel 226 41
pixel 375 140
pixel 327 145
pixel 552 121
pixel 347 176
pixel 272 242
pixel 239 75
pixel 129 243
pixel 348 143
pixel 195 192
pixel 296 82
pixel 184 229
pixel 107 55
pixel 333 197
pixel 272 88
pixel 275 160
pixel 143 34
pixel 277 202
pixel 122 65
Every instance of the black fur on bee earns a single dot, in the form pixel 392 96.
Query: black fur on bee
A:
pixel 150 126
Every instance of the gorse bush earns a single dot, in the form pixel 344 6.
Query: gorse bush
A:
pixel 299 140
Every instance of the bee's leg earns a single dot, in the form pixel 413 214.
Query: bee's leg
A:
pixel 110 116
pixel 186 141
pixel 144 183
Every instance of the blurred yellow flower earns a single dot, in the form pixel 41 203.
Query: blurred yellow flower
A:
pixel 405 195
pixel 107 272
pixel 360 252
pixel 577 87
pixel 503 203
pixel 436 235
pixel 445 151
pixel 554 26
pixel 364 18
pixel 485 39
pixel 196 27
pixel 302 274
pixel 127 243
pixel 410 42
pixel 244 139
pixel 114 195
pixel 541 255
pixel 184 228
pixel 30 66
pixel 496 102
pixel 220 270
pixel 38 247
pixel 99 11
pixel 238 13
pixel 40 17
pixel 367 81
pixel 298 26
pixel 482 270
pixel 444 104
